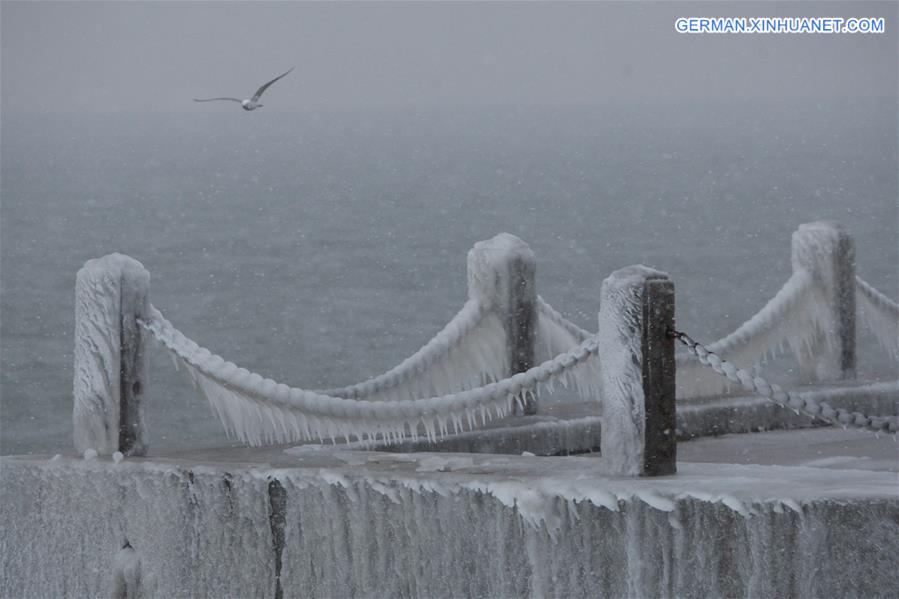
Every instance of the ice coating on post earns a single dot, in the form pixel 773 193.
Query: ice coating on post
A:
pixel 501 275
pixel 637 374
pixel 827 251
pixel 111 294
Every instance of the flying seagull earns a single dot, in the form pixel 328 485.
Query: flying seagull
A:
pixel 252 103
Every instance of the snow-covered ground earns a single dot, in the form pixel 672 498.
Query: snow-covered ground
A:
pixel 832 448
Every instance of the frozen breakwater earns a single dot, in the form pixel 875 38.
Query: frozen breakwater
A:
pixel 325 522
pixel 796 513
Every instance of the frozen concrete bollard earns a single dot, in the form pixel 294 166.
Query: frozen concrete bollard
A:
pixel 111 294
pixel 501 274
pixel 827 250
pixel 638 373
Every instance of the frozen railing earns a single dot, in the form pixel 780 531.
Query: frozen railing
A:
pixel 483 364
pixel 261 411
pixel 813 314
pixel 502 328
pixel 880 314
pixel 491 337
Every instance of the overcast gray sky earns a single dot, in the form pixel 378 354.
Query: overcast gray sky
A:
pixel 157 56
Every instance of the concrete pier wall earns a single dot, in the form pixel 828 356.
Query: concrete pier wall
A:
pixel 351 524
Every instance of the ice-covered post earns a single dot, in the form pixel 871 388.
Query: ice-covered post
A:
pixel 501 275
pixel 637 374
pixel 111 294
pixel 827 250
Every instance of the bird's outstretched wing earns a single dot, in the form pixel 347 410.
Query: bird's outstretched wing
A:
pixel 214 99
pixel 265 87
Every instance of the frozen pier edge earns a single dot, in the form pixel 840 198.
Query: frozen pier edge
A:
pixel 339 523
pixel 799 512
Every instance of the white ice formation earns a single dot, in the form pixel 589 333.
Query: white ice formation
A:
pixel 880 314
pixel 435 526
pixel 795 317
pixel 620 334
pixel 803 315
pixel 129 581
pixel 260 411
pixel 456 381
pixel 469 352
pixel 102 286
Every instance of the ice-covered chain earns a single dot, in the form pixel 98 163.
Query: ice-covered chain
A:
pixel 464 322
pixel 881 315
pixel 554 315
pixel 788 298
pixel 885 305
pixel 774 393
pixel 261 389
pixel 877 298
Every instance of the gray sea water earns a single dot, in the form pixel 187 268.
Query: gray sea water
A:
pixel 323 248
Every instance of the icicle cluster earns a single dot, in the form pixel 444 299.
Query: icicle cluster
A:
pixel 555 333
pixel 260 411
pixel 467 353
pixel 795 317
pixel 880 314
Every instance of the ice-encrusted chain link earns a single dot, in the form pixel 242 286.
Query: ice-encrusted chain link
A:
pixel 775 394
pixel 242 384
pixel 546 310
pixel 881 314
pixel 876 297
pixel 471 315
